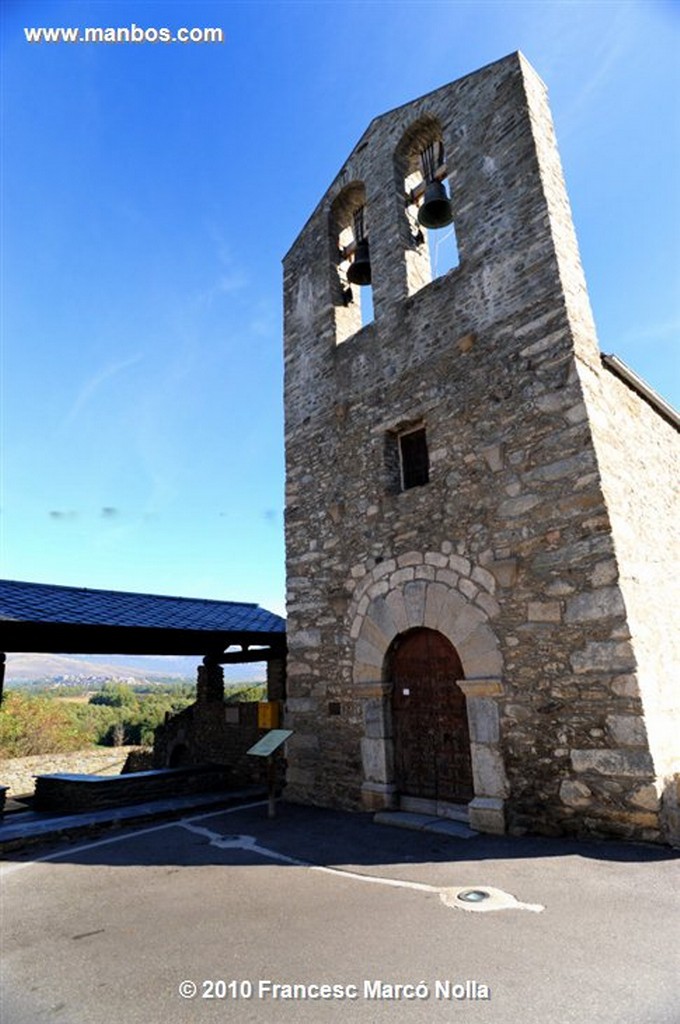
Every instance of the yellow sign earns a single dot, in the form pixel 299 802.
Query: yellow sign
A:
pixel 268 714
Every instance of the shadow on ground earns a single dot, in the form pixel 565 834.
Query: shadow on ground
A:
pixel 316 836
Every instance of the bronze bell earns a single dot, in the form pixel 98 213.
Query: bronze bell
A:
pixel 359 271
pixel 435 210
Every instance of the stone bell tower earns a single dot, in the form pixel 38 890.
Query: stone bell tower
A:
pixel 477 501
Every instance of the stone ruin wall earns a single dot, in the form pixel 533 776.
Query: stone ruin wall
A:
pixel 215 731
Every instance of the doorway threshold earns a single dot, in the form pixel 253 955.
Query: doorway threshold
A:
pixel 434 808
pixel 425 823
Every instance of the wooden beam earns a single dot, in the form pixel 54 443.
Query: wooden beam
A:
pixel 70 638
pixel 246 657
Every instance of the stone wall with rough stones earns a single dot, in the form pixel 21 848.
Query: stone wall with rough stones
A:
pixel 639 461
pixel 515 549
pixel 215 731
pixel 19 773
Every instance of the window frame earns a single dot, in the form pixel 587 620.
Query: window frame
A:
pixel 414 459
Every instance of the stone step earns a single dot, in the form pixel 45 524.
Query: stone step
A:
pixel 425 823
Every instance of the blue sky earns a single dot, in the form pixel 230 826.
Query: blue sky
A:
pixel 149 195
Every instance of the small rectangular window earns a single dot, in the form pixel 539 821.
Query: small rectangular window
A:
pixel 415 462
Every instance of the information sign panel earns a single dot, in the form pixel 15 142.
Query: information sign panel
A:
pixel 270 743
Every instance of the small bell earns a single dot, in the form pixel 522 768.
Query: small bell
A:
pixel 435 210
pixel 359 271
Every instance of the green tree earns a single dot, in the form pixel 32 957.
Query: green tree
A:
pixel 115 695
pixel 245 692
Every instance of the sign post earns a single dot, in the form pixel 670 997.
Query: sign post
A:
pixel 267 747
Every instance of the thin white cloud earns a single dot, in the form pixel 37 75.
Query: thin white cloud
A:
pixel 228 282
pixel 667 332
pixel 230 276
pixel 578 49
pixel 94 383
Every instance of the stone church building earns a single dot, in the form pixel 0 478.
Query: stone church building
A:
pixel 480 524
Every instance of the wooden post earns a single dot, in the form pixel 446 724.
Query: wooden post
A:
pixel 267 747
pixel 271 780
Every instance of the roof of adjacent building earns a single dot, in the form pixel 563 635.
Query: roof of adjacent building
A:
pixel 44 614
pixel 642 388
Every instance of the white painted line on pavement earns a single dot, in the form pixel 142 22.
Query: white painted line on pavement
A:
pixel 8 869
pixel 497 899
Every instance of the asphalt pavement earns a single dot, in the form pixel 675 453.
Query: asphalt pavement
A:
pixel 321 916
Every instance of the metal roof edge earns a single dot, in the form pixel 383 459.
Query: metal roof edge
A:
pixel 644 390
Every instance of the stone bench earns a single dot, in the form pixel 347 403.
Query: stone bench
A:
pixel 65 792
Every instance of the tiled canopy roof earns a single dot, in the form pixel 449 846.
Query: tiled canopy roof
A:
pixel 42 602
pixel 40 611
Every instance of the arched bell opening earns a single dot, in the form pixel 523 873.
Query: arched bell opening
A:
pixel 431 753
pixel 429 235
pixel 351 261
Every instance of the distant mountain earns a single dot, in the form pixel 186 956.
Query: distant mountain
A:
pixel 24 668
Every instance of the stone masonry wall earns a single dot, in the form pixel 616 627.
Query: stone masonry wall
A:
pixel 216 731
pixel 19 773
pixel 639 459
pixel 508 550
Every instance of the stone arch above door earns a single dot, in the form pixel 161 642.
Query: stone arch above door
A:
pixel 437 591
pixel 443 592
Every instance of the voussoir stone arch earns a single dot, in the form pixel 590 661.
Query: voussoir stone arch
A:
pixel 432 590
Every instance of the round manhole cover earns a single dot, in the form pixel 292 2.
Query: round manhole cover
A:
pixel 473 895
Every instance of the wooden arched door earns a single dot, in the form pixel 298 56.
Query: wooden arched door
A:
pixel 429 718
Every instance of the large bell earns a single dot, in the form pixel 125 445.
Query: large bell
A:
pixel 435 210
pixel 359 271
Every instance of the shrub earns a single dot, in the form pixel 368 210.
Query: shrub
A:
pixel 245 692
pixel 39 725
pixel 45 725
